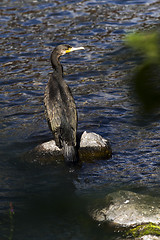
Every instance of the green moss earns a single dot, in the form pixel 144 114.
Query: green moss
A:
pixel 142 230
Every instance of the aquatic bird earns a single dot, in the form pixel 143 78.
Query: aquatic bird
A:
pixel 61 108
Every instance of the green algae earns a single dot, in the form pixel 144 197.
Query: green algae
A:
pixel 145 229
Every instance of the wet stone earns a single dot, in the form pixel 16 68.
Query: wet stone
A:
pixel 137 215
pixel 125 208
pixel 148 237
pixel 91 147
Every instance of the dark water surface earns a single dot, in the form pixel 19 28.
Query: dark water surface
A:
pixel 49 201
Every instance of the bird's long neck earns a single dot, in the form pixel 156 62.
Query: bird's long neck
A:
pixel 56 64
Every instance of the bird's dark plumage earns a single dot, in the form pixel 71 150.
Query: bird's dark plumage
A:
pixel 60 107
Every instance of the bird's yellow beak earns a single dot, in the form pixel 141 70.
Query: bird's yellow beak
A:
pixel 74 49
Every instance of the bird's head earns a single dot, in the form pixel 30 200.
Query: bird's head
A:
pixel 65 48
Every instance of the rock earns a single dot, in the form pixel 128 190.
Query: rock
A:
pixel 48 148
pixel 127 208
pixel 148 237
pixel 91 147
pixel 136 212
pixel 92 140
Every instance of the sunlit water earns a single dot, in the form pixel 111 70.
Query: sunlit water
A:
pixel 49 201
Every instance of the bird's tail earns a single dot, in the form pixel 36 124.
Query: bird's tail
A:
pixel 70 153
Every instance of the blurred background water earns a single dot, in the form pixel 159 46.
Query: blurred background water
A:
pixel 50 202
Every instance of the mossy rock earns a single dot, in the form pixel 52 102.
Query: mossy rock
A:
pixel 143 230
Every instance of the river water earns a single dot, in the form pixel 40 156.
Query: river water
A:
pixel 49 201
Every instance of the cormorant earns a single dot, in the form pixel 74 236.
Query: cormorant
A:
pixel 60 107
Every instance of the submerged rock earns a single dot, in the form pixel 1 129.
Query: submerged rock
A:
pixel 91 146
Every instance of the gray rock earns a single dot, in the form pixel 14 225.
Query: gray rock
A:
pixel 92 146
pixel 127 208
pixel 48 147
pixel 148 237
pixel 92 140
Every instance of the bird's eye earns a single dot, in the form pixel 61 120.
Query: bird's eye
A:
pixel 68 50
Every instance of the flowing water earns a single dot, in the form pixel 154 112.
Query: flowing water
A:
pixel 51 202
